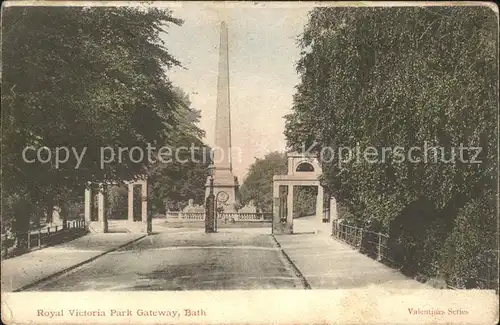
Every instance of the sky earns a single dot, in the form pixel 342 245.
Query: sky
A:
pixel 262 56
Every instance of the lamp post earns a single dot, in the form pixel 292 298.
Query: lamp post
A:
pixel 149 223
pixel 210 203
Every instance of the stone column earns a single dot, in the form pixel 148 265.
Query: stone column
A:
pixel 279 228
pixel 130 202
pixel 88 205
pixel 319 204
pixel 102 217
pixel 333 209
pixel 276 189
pixel 289 204
pixel 144 203
pixel 100 204
pixel 276 205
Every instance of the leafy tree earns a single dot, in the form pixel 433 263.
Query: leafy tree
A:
pixel 82 77
pixel 258 185
pixel 184 177
pixel 304 201
pixel 405 76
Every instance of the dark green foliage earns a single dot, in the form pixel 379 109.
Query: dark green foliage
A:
pixel 304 201
pixel 406 76
pixel 86 77
pixel 175 183
pixel 258 186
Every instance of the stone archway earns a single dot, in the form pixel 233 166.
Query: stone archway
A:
pixel 101 220
pixel 303 170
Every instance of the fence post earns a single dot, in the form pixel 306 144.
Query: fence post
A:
pixel 29 239
pixel 48 234
pixel 39 237
pixel 360 238
pixel 379 250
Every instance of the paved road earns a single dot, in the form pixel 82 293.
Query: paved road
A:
pixel 229 259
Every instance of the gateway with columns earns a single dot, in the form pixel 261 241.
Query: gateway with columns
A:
pixel 101 220
pixel 303 170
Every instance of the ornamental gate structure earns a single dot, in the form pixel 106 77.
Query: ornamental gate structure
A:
pixel 100 222
pixel 303 170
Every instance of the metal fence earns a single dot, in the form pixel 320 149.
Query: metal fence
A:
pixel 390 252
pixel 16 243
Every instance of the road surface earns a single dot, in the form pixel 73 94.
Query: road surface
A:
pixel 228 260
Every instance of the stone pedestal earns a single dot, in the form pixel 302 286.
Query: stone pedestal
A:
pixel 224 182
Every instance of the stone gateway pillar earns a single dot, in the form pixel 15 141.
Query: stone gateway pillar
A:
pixel 130 202
pixel 88 205
pixel 223 178
pixel 282 208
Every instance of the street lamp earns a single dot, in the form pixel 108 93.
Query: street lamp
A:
pixel 211 173
pixel 149 220
pixel 210 203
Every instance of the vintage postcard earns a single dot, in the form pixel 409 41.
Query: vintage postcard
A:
pixel 249 162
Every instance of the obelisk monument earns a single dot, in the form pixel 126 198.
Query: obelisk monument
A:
pixel 225 183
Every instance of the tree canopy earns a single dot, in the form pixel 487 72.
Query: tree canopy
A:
pixel 85 78
pixel 258 186
pixel 406 76
pixel 176 182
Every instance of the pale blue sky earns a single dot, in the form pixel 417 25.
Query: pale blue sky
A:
pixel 262 57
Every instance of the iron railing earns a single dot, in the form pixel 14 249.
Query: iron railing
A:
pixel 380 247
pixel 16 243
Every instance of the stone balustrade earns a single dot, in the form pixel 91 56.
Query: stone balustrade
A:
pixel 230 216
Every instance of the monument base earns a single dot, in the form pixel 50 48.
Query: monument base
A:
pixel 225 191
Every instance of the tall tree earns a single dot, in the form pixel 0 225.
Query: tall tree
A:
pixel 84 78
pixel 184 176
pixel 258 185
pixel 405 77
